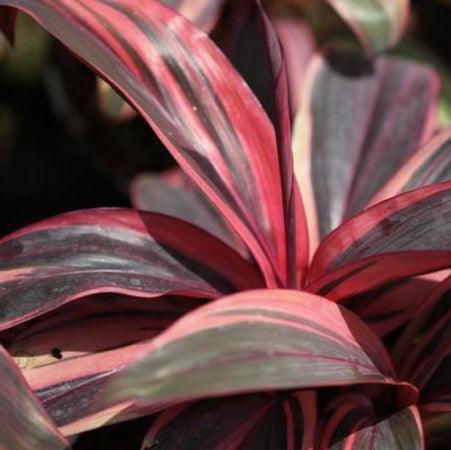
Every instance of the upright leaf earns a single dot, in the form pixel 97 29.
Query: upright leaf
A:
pixel 193 98
pixel 378 24
pixel 255 50
pixel 387 308
pixel 24 423
pixel 250 422
pixel 112 250
pixel 358 123
pixel 403 236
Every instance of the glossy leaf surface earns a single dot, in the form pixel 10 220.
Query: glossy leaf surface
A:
pixel 259 340
pixel 403 236
pixel 112 250
pixel 194 100
pixel 246 423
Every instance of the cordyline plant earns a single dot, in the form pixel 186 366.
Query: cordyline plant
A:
pixel 268 321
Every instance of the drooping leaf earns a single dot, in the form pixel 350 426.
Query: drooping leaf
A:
pixel 24 423
pixel 359 121
pixel 378 24
pixel 259 340
pixel 70 353
pixel 431 164
pixel 112 250
pixel 195 101
pixel 401 237
pixel 174 194
pixel 355 425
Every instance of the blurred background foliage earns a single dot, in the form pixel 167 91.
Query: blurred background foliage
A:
pixel 66 143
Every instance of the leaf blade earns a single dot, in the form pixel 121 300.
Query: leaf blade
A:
pixel 236 338
pixel 225 143
pixel 373 248
pixel 111 250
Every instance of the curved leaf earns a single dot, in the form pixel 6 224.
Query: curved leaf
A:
pixel 194 100
pixel 112 250
pixel 213 424
pixel 431 164
pixel 24 423
pixel 245 423
pixel 378 24
pixel 259 340
pixel 403 236
pixel 391 306
pixel 354 425
pixel 358 123
pixel 69 354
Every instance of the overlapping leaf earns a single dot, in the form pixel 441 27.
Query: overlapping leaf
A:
pixel 112 250
pixel 254 48
pixel 246 422
pixel 431 164
pixel 24 423
pixel 359 121
pixel 69 354
pixel 378 24
pixel 404 236
pixel 423 353
pixel 354 425
pixel 260 340
pixel 391 306
pixel 174 194
pixel 195 101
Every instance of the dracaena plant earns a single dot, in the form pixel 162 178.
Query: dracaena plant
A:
pixel 285 290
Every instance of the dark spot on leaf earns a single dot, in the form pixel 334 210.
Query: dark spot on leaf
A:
pixel 56 353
